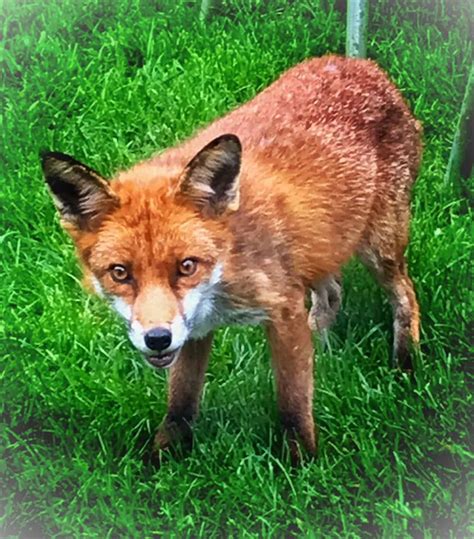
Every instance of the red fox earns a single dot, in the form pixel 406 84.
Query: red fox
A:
pixel 240 223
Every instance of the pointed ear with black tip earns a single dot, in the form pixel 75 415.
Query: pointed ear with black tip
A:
pixel 211 178
pixel 81 195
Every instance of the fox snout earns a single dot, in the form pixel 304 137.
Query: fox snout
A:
pixel 160 345
pixel 158 337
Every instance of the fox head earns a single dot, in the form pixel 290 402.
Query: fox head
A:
pixel 153 244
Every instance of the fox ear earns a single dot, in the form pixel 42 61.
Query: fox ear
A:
pixel 81 195
pixel 211 178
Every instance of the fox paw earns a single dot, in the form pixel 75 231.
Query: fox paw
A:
pixel 326 300
pixel 173 437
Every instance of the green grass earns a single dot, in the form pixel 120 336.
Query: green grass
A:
pixel 111 82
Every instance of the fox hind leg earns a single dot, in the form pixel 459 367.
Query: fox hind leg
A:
pixel 383 253
pixel 326 297
pixel 392 274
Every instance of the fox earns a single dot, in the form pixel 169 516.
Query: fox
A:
pixel 247 221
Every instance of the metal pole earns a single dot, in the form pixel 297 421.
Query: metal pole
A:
pixel 356 28
pixel 205 7
pixel 460 141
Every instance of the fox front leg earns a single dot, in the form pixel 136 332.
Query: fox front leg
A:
pixel 185 387
pixel 292 355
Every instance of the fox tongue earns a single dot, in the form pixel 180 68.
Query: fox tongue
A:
pixel 160 361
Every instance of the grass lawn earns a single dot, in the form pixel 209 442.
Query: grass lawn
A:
pixel 111 82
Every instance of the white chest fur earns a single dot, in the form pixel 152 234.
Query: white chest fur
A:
pixel 208 306
pixel 220 313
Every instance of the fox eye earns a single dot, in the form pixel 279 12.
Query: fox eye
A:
pixel 187 267
pixel 119 273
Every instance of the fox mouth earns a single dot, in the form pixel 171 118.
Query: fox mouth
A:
pixel 162 361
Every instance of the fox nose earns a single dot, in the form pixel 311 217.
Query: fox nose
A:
pixel 158 339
